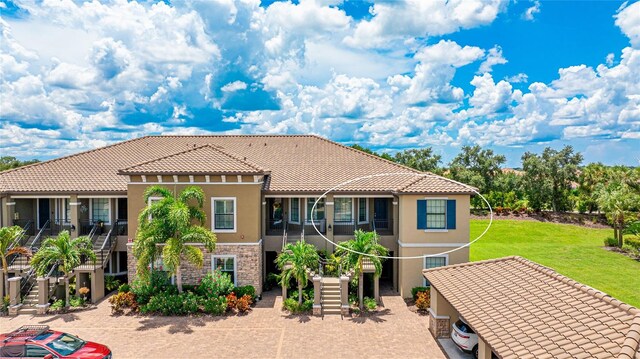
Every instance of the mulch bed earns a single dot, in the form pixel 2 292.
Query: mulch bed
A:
pixel 579 219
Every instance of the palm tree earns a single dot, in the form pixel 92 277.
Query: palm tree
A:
pixel 294 261
pixel 65 251
pixel 170 221
pixel 7 236
pixel 353 252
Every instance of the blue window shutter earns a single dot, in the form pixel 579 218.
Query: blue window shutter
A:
pixel 451 214
pixel 422 214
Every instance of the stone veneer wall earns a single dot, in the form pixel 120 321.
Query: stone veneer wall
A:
pixel 439 327
pixel 248 264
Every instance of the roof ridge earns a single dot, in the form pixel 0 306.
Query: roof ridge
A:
pixel 73 155
pixel 582 287
pixel 631 344
pixel 195 148
pixel 469 264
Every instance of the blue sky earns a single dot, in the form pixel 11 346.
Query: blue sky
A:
pixel 512 76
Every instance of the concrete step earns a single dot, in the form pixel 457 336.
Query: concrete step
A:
pixel 331 302
pixel 331 291
pixel 27 311
pixel 331 311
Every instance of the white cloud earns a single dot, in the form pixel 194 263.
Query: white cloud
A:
pixel 628 19
pixel 416 18
pixel 519 78
pixel 494 57
pixel 530 13
pixel 234 86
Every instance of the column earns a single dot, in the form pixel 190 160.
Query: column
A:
pixel 328 214
pixel 74 205
pixel 8 211
pixel 43 295
pixel 376 288
pixel 14 295
pixel 484 350
pixel 2 283
pixel 344 294
pixel 97 285
pixel 317 306
pixel 396 235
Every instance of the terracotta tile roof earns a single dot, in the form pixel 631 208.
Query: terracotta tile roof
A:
pixel 433 183
pixel 298 163
pixel 205 159
pixel 525 310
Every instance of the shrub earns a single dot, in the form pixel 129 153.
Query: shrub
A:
pixel 245 290
pixel 423 301
pixel 123 300
pixel 76 302
pixel 83 292
pixel 291 305
pixel 124 288
pixel 631 250
pixel 633 243
pixel 215 306
pixel 57 305
pixel 306 294
pixel 244 303
pixel 157 282
pixel 111 283
pixel 172 304
pixel 272 281
pixel 353 299
pixel 610 242
pixel 215 284
pixel 370 304
pixel 416 290
pixel 232 301
pixel 4 306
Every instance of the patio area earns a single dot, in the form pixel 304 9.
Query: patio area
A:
pixel 266 332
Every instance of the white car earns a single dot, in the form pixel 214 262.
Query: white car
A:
pixel 465 338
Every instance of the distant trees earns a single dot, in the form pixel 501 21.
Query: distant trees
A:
pixel 618 196
pixel 9 162
pixel 548 178
pixel 421 159
pixel 477 167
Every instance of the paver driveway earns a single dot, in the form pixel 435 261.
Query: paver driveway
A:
pixel 266 332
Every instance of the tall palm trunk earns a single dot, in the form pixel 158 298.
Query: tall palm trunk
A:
pixel 361 286
pixel 66 289
pixel 299 292
pixel 179 279
pixel 5 270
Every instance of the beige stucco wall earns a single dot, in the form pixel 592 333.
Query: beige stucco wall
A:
pixel 247 203
pixel 417 242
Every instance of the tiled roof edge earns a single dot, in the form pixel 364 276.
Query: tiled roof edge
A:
pixel 250 164
pixel 72 155
pixel 631 344
pixel 468 264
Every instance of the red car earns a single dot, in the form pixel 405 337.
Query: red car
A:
pixel 37 341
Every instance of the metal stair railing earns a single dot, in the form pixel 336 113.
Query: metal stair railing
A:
pixel 31 247
pixel 53 271
pixel 111 242
pixel 26 284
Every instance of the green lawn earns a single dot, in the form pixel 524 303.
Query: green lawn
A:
pixel 571 250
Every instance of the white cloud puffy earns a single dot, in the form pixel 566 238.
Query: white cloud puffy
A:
pixel 628 19
pixel 234 86
pixel 416 18
pixel 494 57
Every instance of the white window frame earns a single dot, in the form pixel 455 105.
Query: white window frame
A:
pixel 366 201
pixel 91 208
pixel 352 210
pixel 308 205
pixel 424 265
pixel 60 211
pixel 291 211
pixel 436 230
pixel 150 200
pixel 213 215
pixel 235 264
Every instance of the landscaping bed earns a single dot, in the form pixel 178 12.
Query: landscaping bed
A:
pixel 155 295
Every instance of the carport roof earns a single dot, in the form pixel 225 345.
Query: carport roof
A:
pixel 525 310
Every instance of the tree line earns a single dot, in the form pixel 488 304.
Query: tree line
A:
pixel 553 180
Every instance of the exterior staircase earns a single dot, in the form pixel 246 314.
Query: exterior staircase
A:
pixel 330 296
pixel 30 301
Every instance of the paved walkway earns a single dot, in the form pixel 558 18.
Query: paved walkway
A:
pixel 266 332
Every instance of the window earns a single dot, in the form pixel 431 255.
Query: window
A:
pixel 294 210
pixel 63 210
pixel 343 209
pixel 66 344
pixel 101 210
pixel 151 201
pixel 318 214
pixel 36 352
pixel 226 264
pixel 434 262
pixel 363 210
pixel 224 214
pixel 436 214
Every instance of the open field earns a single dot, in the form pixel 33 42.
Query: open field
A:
pixel 571 250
